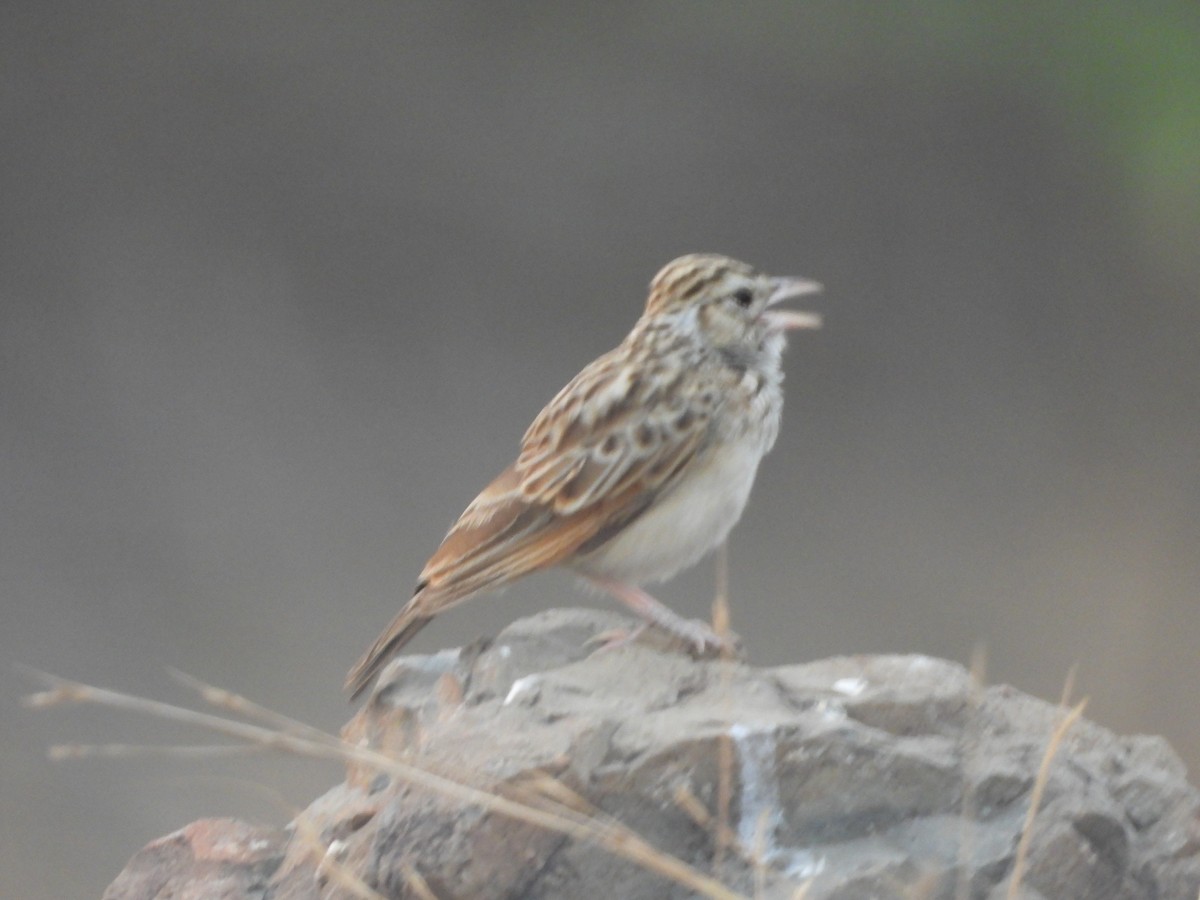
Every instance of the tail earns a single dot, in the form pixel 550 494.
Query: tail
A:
pixel 399 632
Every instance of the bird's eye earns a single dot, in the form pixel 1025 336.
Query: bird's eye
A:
pixel 743 297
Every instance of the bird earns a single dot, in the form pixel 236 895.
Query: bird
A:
pixel 639 466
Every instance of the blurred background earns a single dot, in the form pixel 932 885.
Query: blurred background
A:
pixel 282 284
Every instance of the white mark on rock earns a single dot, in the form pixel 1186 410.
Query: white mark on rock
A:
pixel 521 686
pixel 760 800
pixel 760 807
pixel 804 864
pixel 831 710
pixel 851 687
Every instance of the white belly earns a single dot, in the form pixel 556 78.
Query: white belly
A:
pixel 684 524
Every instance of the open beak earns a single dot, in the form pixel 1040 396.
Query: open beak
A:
pixel 787 319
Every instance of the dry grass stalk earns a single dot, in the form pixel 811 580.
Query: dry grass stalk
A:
pixel 722 834
pixel 694 809
pixel 306 741
pixel 417 884
pixel 327 865
pixel 61 752
pixel 1039 785
pixel 239 705
pixel 966 841
pixel 686 799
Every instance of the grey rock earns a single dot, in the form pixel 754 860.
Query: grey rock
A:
pixel 856 777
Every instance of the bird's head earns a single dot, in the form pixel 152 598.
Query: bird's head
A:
pixel 728 304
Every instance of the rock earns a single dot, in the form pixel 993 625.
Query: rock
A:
pixel 211 859
pixel 856 777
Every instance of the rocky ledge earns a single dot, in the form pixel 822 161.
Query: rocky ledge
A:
pixel 854 777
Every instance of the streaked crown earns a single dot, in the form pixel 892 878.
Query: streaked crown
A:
pixel 690 277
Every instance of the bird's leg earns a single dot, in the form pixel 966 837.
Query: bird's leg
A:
pixel 695 633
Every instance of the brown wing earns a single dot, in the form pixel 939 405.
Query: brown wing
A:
pixel 615 427
pixel 593 459
pixel 599 453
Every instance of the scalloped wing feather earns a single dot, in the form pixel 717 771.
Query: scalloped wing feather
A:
pixel 594 459
pixel 611 430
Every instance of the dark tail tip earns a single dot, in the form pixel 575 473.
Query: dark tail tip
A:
pixel 401 630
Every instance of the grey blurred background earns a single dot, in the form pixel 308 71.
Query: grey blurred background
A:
pixel 281 285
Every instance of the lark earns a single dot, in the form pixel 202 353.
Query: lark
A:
pixel 640 466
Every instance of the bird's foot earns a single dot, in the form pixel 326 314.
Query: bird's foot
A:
pixel 698 636
pixel 701 638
